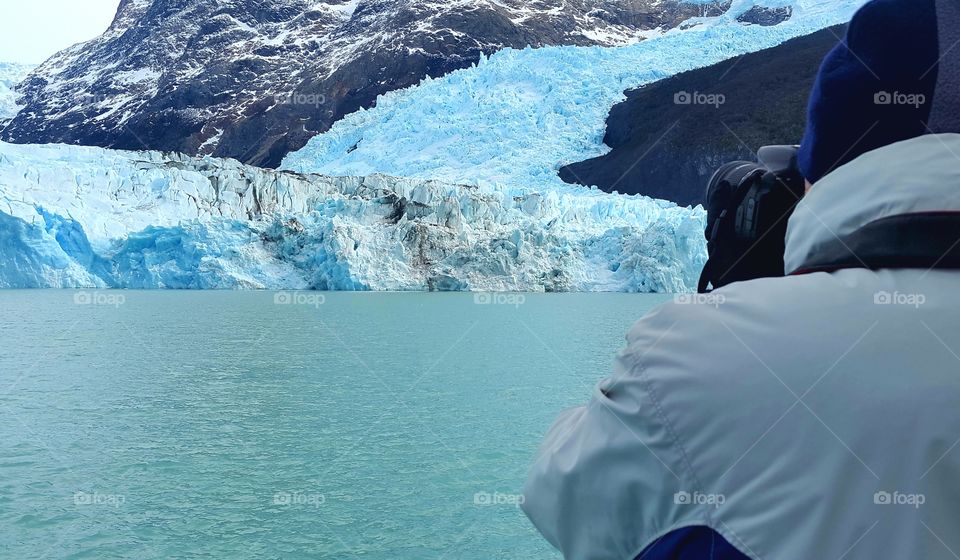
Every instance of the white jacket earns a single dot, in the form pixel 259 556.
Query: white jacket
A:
pixel 812 417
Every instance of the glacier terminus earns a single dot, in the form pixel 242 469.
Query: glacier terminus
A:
pixel 90 217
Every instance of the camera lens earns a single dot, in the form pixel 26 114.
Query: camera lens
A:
pixel 731 173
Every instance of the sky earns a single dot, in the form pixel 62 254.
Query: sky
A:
pixel 33 30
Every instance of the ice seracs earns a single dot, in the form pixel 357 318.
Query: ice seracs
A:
pixel 80 216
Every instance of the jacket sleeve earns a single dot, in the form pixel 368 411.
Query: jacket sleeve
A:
pixel 604 482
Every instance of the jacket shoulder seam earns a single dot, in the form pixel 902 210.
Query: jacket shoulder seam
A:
pixel 686 464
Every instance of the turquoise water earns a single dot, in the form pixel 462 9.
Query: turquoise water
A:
pixel 260 425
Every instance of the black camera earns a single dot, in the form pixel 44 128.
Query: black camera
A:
pixel 748 207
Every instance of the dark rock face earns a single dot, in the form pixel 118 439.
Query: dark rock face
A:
pixel 758 15
pixel 669 137
pixel 255 79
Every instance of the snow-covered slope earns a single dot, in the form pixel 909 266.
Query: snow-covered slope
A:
pixel 72 216
pixel 255 79
pixel 518 116
pixel 11 74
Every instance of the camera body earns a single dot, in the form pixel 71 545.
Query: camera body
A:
pixel 748 207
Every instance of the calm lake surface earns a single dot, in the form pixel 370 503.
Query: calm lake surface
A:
pixel 230 425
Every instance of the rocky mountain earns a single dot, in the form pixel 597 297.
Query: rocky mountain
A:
pixel 255 79
pixel 669 149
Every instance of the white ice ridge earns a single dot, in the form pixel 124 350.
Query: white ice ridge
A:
pixel 76 217
pixel 520 115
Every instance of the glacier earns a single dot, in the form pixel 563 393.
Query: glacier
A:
pixel 90 217
pixel 450 185
pixel 520 115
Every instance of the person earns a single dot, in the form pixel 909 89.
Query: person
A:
pixel 817 415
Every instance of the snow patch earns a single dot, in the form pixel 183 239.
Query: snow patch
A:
pixel 11 75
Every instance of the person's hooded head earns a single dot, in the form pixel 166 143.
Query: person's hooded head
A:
pixel 895 76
